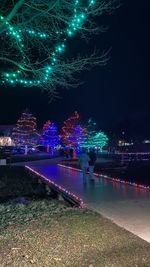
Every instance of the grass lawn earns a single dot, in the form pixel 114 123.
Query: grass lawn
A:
pixel 49 233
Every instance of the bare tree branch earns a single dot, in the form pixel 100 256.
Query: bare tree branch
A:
pixel 34 36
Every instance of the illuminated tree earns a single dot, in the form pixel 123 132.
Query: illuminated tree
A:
pixel 69 127
pixel 91 127
pixel 25 131
pixel 94 138
pixel 35 35
pixel 99 140
pixel 50 136
pixel 77 137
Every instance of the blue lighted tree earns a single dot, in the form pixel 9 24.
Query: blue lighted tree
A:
pixel 77 137
pixel 50 136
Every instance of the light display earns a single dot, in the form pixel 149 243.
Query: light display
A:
pixel 77 137
pixel 69 126
pixel 58 187
pixel 117 180
pixel 91 131
pixel 133 156
pixel 25 131
pixel 50 136
pixel 96 140
pixel 99 140
pixel 24 72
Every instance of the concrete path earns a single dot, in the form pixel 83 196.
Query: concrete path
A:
pixel 125 205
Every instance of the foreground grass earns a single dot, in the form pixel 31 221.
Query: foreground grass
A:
pixel 48 233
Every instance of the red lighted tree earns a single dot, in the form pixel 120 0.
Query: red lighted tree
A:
pixel 68 128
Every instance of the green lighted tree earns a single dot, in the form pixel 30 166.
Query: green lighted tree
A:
pixel 91 127
pixel 34 37
pixel 94 138
pixel 99 140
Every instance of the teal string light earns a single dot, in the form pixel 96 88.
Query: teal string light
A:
pixel 75 24
pixel 36 34
pixel 13 32
pixel 78 19
pixel 92 2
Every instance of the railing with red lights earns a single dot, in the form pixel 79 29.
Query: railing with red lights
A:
pixel 133 153
pixel 57 187
pixel 111 178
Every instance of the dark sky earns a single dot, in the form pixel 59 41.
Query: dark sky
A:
pixel 112 95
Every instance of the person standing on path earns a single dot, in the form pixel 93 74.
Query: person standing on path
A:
pixel 67 153
pixel 93 158
pixel 84 163
pixel 71 153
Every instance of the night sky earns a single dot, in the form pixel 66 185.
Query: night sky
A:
pixel 117 95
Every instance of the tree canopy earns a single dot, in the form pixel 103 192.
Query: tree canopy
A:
pixel 35 35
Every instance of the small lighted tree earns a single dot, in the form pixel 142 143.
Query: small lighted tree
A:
pixel 50 136
pixel 25 132
pixel 91 127
pixel 94 138
pixel 78 137
pixel 68 128
pixel 99 140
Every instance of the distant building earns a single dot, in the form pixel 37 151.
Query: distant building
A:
pixel 5 135
pixel 6 141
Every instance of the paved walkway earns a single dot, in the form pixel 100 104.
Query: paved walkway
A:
pixel 125 205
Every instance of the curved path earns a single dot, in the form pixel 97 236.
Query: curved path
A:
pixel 125 205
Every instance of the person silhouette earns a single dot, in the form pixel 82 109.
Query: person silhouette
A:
pixel 84 163
pixel 93 158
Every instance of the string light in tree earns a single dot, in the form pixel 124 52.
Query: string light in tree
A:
pixel 69 127
pixel 50 136
pixel 99 140
pixel 77 137
pixel 94 138
pixel 91 127
pixel 25 132
pixel 80 12
pixel 40 35
pixel 12 32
